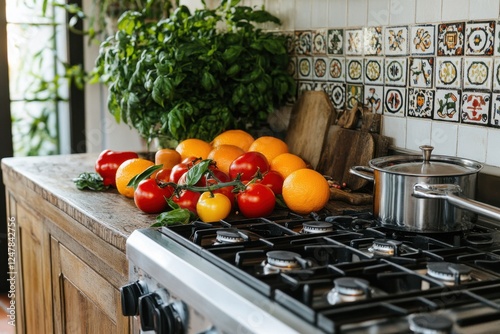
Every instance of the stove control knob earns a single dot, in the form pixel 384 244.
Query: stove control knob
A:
pixel 130 295
pixel 160 317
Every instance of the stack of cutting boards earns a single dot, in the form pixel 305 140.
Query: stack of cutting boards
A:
pixel 330 149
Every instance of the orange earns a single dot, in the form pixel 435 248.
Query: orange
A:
pixel 305 191
pixel 286 163
pixel 127 171
pixel 223 155
pixel 167 157
pixel 193 147
pixel 238 138
pixel 270 146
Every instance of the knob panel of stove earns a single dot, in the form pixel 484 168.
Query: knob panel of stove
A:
pixel 161 317
pixel 130 295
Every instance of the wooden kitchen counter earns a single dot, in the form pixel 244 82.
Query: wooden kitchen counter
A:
pixel 70 246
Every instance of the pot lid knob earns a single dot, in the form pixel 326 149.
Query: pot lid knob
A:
pixel 426 152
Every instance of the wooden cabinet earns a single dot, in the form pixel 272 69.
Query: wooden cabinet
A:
pixel 70 248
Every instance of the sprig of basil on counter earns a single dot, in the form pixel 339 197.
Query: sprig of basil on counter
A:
pixel 193 75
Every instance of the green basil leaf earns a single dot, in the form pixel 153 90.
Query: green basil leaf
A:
pixel 195 173
pixel 174 217
pixel 134 182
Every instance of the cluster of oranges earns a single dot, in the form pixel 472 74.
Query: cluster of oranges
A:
pixel 304 190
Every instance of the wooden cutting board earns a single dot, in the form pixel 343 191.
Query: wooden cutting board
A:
pixel 342 149
pixel 310 120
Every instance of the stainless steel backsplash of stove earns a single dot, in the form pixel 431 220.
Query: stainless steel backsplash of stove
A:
pixel 321 274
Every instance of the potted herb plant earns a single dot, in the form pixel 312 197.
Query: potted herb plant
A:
pixel 193 75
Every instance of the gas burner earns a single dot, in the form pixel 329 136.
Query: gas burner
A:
pixel 385 247
pixel 229 236
pixel 427 323
pixel 449 273
pixel 317 227
pixel 278 261
pixel 348 289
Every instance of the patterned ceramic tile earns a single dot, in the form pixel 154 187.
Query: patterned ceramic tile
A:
pixel 335 42
pixel 336 69
pixel 394 101
pixel 420 102
pixel 337 95
pixel 450 39
pixel 354 70
pixel 422 41
pixel 319 42
pixel 478 72
pixel 373 41
pixel 495 111
pixel 290 41
pixel 421 72
pixel 448 72
pixel 396 41
pixel 480 38
pixel 496 75
pixel 374 71
pixel 373 98
pixel 320 68
pixel 292 67
pixel 303 42
pixel 496 52
pixel 395 71
pixel 320 86
pixel 447 105
pixel 354 93
pixel 304 67
pixel 304 86
pixel 353 45
pixel 475 107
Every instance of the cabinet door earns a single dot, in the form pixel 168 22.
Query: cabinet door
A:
pixel 85 301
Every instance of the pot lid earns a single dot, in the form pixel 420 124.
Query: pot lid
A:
pixel 426 164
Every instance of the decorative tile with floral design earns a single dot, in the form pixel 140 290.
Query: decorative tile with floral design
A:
pixel 449 72
pixel 304 86
pixel 321 86
pixel 496 75
pixel 290 41
pixel 447 105
pixel 354 70
pixel 303 42
pixel 373 41
pixel 304 67
pixel 422 40
pixel 495 111
pixel 335 42
pixel 336 69
pixel 421 72
pixel 353 45
pixel 373 97
pixel 374 71
pixel 319 42
pixel 475 107
pixel 320 69
pixel 478 72
pixel 420 102
pixel 396 41
pixel 450 39
pixel 336 91
pixel 395 71
pixel 354 93
pixel 480 38
pixel 394 101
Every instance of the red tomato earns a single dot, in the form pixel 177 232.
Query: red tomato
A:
pixel 214 207
pixel 150 198
pixel 222 177
pixel 177 171
pixel 217 175
pixel 163 176
pixel 247 165
pixel 187 199
pixel 257 200
pixel 273 180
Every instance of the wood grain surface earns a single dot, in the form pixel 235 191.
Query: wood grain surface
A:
pixel 309 123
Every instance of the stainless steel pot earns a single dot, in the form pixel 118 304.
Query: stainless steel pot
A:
pixel 425 193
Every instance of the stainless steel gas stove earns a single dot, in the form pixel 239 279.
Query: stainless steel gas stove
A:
pixel 318 274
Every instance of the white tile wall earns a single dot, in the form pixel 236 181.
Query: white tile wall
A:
pixel 402 12
pixel 454 10
pixel 444 138
pixel 337 13
pixel 378 12
pixel 428 11
pixel 285 13
pixel 472 142
pixel 303 15
pixel 357 12
pixel 395 128
pixel 484 9
pixel 418 132
pixel 319 17
pixel 493 147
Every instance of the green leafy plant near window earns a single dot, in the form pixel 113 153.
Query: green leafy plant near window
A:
pixel 195 74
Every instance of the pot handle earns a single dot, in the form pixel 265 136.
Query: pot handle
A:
pixel 451 193
pixel 363 172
